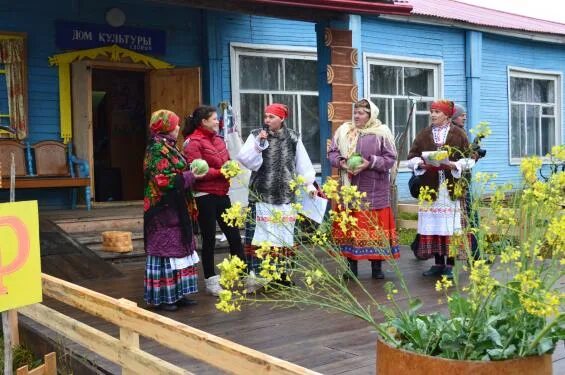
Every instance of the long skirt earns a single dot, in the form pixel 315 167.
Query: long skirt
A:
pixel 374 237
pixel 165 284
pixel 437 225
pixel 250 246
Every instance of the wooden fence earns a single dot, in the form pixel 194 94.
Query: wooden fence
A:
pixel 134 321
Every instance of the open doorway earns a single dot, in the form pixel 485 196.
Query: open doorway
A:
pixel 119 134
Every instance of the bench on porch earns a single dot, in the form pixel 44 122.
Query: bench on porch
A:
pixel 55 167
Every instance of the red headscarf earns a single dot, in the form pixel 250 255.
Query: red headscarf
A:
pixel 163 121
pixel 277 109
pixel 445 106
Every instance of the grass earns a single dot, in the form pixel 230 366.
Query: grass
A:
pixel 22 356
pixel 406 236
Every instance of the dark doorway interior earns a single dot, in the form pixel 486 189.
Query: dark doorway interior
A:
pixel 119 131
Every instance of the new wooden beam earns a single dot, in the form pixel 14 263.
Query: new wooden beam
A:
pixel 101 343
pixel 214 350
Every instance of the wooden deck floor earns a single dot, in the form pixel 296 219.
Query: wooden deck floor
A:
pixel 328 343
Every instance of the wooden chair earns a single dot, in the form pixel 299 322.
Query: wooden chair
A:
pixel 49 367
pixel 55 167
pixel 19 151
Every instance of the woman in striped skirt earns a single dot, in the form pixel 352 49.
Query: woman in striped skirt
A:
pixel 171 271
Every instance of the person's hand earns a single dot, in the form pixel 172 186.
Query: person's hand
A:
pixel 198 176
pixel 361 168
pixel 450 167
pixel 312 191
pixel 262 135
pixel 424 166
pixel 343 164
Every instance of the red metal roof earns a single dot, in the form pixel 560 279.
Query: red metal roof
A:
pixel 345 6
pixel 476 15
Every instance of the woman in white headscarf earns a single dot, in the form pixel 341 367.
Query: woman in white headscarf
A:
pixel 374 238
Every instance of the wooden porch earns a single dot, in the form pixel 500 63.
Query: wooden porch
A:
pixel 326 343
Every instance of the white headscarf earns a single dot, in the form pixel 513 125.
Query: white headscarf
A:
pixel 347 136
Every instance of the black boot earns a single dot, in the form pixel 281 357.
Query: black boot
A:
pixel 352 263
pixel 376 269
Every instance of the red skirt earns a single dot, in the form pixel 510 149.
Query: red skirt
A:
pixel 374 237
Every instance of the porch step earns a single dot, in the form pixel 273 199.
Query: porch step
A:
pixel 101 224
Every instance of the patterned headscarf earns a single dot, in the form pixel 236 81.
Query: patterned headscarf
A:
pixel 163 121
pixel 445 106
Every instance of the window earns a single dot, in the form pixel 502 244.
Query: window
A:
pixel 534 113
pixel 4 110
pixel 13 99
pixel 261 75
pixel 391 84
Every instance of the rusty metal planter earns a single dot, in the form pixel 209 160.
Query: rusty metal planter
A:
pixel 392 361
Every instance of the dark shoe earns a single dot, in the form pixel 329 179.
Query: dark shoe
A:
pixel 168 307
pixel 186 302
pixel 376 270
pixel 435 270
pixel 448 272
pixel 377 274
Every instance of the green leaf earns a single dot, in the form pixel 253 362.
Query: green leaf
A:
pixel 494 335
pixel 415 304
pixel 545 345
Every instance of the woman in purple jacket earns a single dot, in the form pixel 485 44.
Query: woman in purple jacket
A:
pixel 171 268
pixel 366 135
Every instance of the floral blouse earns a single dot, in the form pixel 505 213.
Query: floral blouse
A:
pixel 162 163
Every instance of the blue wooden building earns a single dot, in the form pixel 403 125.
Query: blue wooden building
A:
pixel 95 70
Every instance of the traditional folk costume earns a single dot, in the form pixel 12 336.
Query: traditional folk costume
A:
pixel 171 267
pixel 274 164
pixel 444 217
pixel 375 237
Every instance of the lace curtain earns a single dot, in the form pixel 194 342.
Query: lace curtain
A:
pixel 12 56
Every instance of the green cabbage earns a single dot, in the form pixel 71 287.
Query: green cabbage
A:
pixel 354 161
pixel 199 166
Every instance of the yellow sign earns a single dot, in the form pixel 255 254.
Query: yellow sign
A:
pixel 20 265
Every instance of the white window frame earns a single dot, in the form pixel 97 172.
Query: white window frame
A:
pixel 557 77
pixel 264 50
pixel 436 65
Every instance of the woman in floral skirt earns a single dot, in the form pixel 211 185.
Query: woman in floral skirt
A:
pixel 375 236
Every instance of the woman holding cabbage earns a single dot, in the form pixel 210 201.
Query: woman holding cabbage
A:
pixel 171 272
pixel 204 145
pixel 364 153
pixel 437 156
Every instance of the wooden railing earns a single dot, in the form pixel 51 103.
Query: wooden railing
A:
pixel 134 321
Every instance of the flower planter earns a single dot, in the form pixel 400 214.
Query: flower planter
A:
pixel 392 361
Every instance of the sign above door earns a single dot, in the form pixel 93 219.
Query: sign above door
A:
pixel 75 35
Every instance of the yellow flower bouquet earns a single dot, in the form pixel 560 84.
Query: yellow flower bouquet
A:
pixel 502 304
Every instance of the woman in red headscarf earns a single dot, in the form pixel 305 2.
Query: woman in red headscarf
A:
pixel 170 270
pixel 439 221
pixel 275 155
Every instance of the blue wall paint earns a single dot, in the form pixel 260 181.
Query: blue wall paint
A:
pixel 419 41
pixel 242 28
pixel 498 54
pixel 184 44
pixel 473 72
pixel 184 48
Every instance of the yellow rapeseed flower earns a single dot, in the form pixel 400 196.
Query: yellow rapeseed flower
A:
pixel 529 168
pixel 236 215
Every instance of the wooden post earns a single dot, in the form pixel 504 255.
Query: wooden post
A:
pixel 128 337
pixel 9 318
